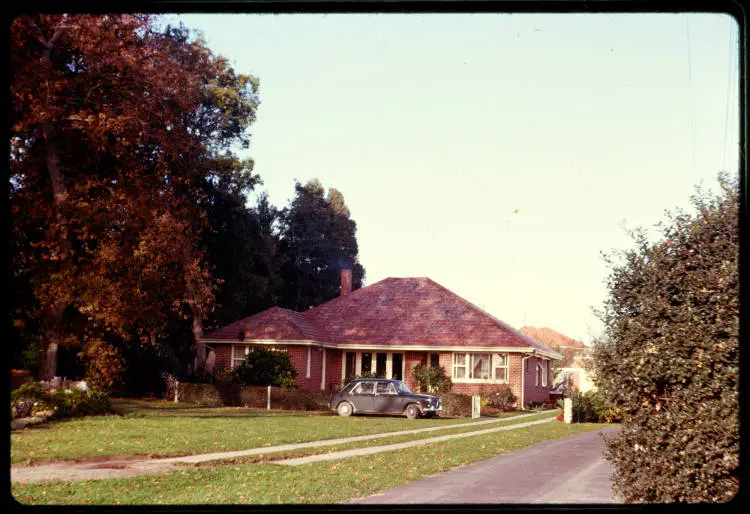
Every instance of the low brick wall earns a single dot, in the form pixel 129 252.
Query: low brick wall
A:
pixel 252 396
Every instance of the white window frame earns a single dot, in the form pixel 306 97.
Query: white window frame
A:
pixel 506 367
pixel 541 370
pixel 236 361
pixel 465 366
pixel 468 366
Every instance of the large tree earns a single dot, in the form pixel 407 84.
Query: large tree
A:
pixel 116 125
pixel 318 238
pixel 670 356
pixel 242 248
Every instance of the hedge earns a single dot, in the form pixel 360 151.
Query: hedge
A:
pixel 211 395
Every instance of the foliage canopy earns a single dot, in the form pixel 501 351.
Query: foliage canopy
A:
pixel 669 359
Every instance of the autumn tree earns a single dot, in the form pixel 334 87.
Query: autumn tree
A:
pixel 116 125
pixel 669 358
pixel 318 238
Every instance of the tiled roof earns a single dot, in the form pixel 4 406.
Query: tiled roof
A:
pixel 274 323
pixel 392 312
pixel 551 337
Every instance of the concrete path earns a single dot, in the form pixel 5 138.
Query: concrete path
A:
pixel 128 467
pixel 569 470
pixel 399 446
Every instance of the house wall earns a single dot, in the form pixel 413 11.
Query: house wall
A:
pixel 533 392
pixel 223 356
pixel 514 372
pixel 411 359
pixel 298 356
pixel 333 369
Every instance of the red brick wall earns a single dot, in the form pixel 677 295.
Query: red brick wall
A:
pixel 223 355
pixel 333 369
pixel 298 356
pixel 514 371
pixel 411 359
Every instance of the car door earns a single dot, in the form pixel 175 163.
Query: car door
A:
pixel 386 398
pixel 363 397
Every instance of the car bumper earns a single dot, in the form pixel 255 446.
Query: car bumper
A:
pixel 432 409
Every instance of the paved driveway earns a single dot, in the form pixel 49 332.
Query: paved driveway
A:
pixel 569 470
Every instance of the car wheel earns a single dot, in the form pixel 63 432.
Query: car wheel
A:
pixel 345 409
pixel 412 411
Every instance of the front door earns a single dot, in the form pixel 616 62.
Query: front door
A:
pixel 350 367
pixel 380 365
pixel 397 364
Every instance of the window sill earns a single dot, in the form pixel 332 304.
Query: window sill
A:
pixel 477 381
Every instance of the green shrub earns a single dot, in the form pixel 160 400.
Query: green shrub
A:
pixel 28 399
pixel 431 380
pixel 266 367
pixel 669 356
pixel 455 404
pixel 588 407
pixel 501 398
pixel 97 403
pixel 69 403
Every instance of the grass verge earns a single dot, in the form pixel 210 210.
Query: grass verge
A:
pixel 161 429
pixel 321 482
pixel 381 441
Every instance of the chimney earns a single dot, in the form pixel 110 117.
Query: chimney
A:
pixel 346 281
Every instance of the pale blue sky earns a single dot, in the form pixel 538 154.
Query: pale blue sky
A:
pixel 437 127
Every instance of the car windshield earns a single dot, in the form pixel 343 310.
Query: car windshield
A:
pixel 401 387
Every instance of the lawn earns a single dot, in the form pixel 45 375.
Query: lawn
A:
pixel 381 441
pixel 320 482
pixel 160 428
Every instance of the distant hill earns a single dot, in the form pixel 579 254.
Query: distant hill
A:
pixel 552 338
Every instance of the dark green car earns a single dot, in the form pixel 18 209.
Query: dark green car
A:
pixel 383 396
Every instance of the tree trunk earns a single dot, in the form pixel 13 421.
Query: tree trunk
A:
pixel 48 369
pixel 52 335
pixel 53 315
pixel 200 347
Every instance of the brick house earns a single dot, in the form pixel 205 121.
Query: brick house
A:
pixel 387 328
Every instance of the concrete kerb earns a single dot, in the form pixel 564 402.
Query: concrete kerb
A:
pixel 399 446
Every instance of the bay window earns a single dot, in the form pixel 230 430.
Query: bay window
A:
pixel 480 367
